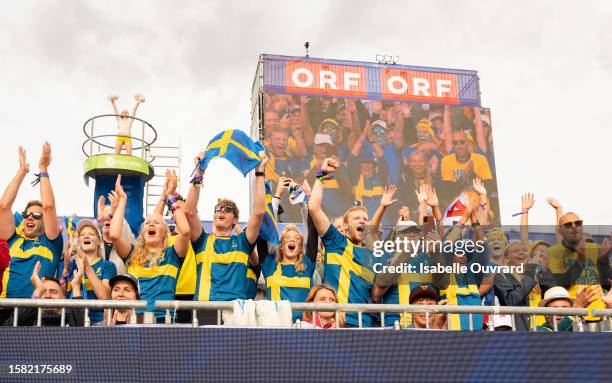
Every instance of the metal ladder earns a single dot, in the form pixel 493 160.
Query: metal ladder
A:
pixel 160 158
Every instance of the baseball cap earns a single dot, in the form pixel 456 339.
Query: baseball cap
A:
pixel 127 278
pixel 423 291
pixel 403 226
pixel 88 223
pixel 321 138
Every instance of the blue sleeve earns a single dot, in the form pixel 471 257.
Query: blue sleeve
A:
pixel 333 241
pixel 57 246
pixel 71 272
pixel 172 256
pixel 244 243
pixel 110 270
pixel 198 244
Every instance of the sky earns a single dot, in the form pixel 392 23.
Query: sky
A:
pixel 545 71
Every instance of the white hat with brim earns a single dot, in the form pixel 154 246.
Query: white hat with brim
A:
pixel 555 293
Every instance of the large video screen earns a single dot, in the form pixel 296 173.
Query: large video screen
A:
pixel 380 143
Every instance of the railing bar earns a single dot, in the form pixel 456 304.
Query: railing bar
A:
pixel 63 318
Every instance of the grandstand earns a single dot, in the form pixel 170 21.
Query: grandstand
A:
pixel 164 294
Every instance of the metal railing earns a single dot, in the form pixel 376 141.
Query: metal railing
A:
pixel 94 137
pixel 404 310
pixel 337 308
pixel 63 304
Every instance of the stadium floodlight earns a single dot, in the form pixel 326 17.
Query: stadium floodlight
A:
pixel 387 59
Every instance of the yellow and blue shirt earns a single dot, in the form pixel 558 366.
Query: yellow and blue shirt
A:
pixel 348 269
pixel 463 291
pixel 24 254
pixel 283 282
pixel 104 270
pixel 253 273
pixel 399 292
pixel 157 281
pixel 222 267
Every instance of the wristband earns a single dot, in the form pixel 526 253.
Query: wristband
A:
pixel 483 206
pixel 260 174
pixel 38 177
pixel 197 180
pixel 475 224
pixel 523 212
pixel 172 201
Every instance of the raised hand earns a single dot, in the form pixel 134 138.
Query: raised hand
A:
pixel 120 193
pixel 478 186
pixel 387 198
pixel 283 184
pixel 45 157
pixel 554 203
pixel 421 195
pixel 196 161
pixel 330 165
pixel 404 213
pixel 35 277
pixel 139 97
pixel 264 161
pixel 23 165
pixel 527 201
pixel 113 97
pixel 432 197
pixel 171 182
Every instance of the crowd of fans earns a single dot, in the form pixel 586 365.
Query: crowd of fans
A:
pixel 331 260
pixel 378 144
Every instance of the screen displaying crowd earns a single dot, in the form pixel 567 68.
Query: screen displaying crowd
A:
pixel 329 259
pixel 379 144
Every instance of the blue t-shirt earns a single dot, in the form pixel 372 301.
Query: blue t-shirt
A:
pixel 104 270
pixel 284 283
pixel 348 269
pixel 158 282
pixel 24 255
pixel 253 273
pixel 221 267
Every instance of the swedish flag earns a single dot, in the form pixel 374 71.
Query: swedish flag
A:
pixel 71 224
pixel 269 230
pixel 236 147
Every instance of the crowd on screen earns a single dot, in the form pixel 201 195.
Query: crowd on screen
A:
pixel 329 260
pixel 378 144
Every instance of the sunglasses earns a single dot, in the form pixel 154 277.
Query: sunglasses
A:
pixel 27 214
pixel 568 225
pixel 458 142
pixel 224 208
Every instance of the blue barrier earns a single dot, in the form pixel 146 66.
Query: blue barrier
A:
pixel 152 354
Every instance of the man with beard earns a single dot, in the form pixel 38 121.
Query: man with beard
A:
pixel 40 239
pixel 348 264
pixel 577 263
pixel 460 167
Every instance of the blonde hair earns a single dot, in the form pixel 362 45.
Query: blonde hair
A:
pixel 352 209
pixel 299 264
pixel 514 246
pixel 311 296
pixel 140 255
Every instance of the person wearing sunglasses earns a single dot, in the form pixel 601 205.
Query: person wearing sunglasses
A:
pixel 222 259
pixel 40 239
pixel 577 263
pixel 461 166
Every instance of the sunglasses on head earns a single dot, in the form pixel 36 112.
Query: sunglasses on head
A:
pixel 224 208
pixel 27 214
pixel 458 142
pixel 568 225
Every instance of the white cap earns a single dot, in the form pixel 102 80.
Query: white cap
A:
pixel 321 138
pixel 434 115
